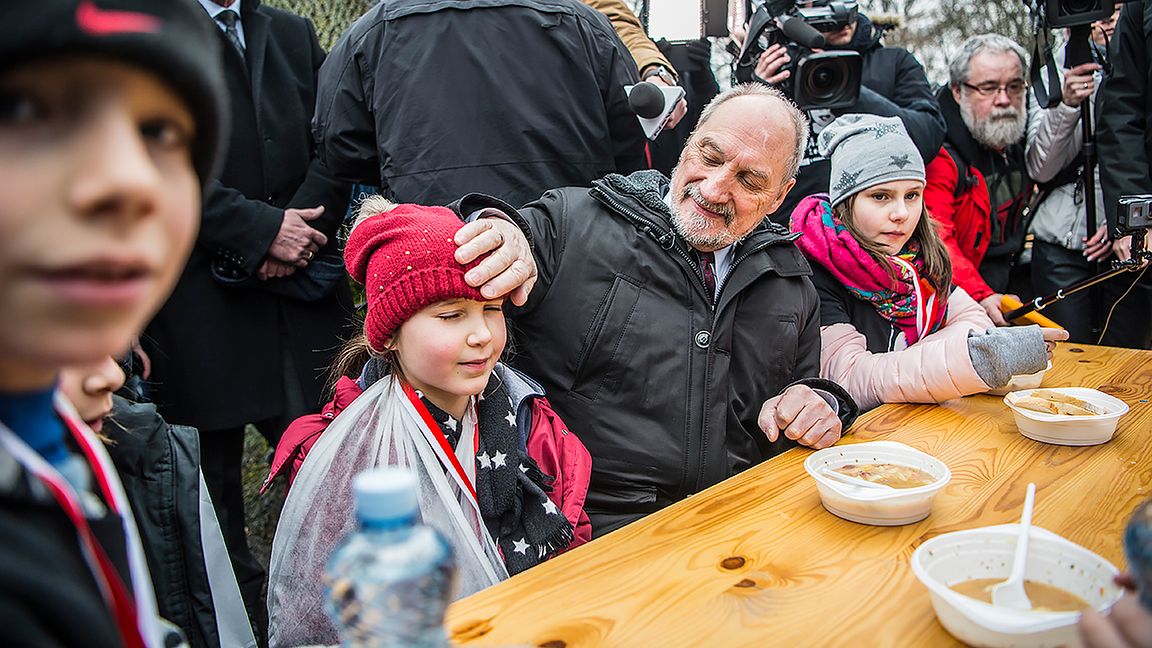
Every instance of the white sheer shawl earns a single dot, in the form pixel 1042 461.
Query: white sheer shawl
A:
pixel 380 427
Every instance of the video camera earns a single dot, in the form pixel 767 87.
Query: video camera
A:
pixel 1078 15
pixel 1134 218
pixel 1069 13
pixel 818 79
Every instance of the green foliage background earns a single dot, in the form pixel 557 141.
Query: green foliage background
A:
pixel 331 17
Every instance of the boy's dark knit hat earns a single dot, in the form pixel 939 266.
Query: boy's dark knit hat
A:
pixel 171 38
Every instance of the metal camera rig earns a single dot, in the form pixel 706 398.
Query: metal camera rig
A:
pixel 1133 218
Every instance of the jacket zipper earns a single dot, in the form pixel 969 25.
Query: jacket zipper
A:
pixel 667 240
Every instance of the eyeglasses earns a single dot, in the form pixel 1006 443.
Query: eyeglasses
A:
pixel 991 89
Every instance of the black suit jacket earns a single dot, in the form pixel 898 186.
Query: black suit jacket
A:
pixel 219 352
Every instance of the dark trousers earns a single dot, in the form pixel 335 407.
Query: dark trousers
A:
pixel 1055 267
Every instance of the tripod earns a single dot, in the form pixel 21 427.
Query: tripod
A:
pixel 1078 50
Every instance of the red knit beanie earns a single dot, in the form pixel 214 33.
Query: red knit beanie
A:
pixel 405 259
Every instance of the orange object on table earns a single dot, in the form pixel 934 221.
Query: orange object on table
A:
pixel 1008 303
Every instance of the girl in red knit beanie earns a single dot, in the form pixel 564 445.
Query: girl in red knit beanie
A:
pixel 501 476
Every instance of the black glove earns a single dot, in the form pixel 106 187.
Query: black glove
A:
pixel 699 54
pixel 700 74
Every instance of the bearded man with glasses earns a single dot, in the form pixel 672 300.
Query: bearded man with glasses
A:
pixel 978 187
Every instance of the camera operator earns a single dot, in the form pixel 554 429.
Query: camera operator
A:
pixel 1063 251
pixel 1124 140
pixel 893 85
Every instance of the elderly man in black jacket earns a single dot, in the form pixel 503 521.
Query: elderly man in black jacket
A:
pixel 893 85
pixel 674 328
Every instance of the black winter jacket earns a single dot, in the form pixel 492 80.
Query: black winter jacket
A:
pixel 1124 116
pixel 893 85
pixel 662 388
pixel 159 466
pixel 435 99
pixel 48 596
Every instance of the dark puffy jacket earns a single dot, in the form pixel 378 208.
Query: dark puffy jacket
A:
pixel 435 99
pixel 1125 114
pixel 48 596
pixel 663 389
pixel 159 465
pixel 893 85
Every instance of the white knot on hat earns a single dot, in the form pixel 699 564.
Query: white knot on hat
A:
pixel 867 150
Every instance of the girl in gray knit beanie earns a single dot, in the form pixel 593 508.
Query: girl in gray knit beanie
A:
pixel 893 327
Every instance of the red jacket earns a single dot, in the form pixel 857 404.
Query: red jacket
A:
pixel 964 221
pixel 557 452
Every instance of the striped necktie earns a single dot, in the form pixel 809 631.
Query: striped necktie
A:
pixel 228 18
pixel 707 263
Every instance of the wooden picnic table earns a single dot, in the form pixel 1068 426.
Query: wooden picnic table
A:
pixel 757 561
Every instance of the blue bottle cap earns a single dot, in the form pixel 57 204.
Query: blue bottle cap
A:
pixel 385 494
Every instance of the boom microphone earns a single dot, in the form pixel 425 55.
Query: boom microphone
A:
pixel 802 33
pixel 646 100
pixel 652 105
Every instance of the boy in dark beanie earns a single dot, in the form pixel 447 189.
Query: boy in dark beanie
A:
pixel 110 125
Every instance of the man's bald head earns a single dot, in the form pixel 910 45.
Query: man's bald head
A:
pixel 737 166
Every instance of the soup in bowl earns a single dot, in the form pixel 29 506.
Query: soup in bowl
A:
pixel 898 482
pixel 974 559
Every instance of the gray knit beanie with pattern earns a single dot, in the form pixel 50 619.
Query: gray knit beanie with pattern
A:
pixel 867 150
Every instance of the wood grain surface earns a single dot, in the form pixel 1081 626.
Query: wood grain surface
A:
pixel 757 561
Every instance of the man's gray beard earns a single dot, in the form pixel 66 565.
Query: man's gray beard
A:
pixel 689 226
pixel 1002 127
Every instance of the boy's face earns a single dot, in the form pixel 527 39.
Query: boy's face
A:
pixel 99 206
pixel 90 387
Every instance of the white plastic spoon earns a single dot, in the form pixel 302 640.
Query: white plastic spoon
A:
pixel 1010 593
pixel 854 481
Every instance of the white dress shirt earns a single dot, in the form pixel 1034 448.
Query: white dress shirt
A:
pixel 214 10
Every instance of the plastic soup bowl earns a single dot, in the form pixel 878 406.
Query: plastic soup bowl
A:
pixel 1021 381
pixel 876 506
pixel 986 552
pixel 1063 429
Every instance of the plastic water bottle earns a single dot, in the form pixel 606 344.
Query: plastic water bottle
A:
pixel 390 582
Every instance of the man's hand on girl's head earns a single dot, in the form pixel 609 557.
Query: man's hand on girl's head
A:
pixel 509 269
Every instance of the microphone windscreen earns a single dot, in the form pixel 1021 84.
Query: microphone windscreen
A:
pixel 646 100
pixel 801 32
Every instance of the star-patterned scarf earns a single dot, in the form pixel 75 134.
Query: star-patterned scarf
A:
pixel 511 490
pixel 908 301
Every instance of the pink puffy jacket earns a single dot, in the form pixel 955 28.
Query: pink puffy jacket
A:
pixel 935 369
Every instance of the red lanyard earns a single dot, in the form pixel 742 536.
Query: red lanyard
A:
pixel 445 446
pixel 112 586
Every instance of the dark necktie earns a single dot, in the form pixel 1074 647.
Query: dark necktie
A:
pixel 228 18
pixel 707 262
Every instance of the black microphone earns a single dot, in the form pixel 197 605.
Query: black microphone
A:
pixel 646 100
pixel 801 32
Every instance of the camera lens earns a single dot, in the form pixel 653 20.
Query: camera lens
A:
pixel 1070 7
pixel 825 80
